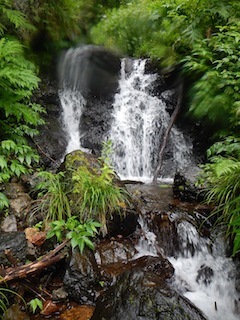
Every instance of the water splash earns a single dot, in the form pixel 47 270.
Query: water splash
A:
pixel 72 103
pixel 140 121
pixel 147 242
pixel 205 275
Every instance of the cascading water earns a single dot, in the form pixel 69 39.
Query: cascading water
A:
pixel 139 118
pixel 72 103
pixel 140 121
pixel 203 273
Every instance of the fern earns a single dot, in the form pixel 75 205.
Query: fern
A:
pixel 19 117
pixel 222 179
pixel 10 16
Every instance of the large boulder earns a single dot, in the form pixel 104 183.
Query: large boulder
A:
pixel 82 277
pixel 142 294
pixel 13 248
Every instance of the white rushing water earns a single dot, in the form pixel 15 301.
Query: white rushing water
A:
pixel 140 121
pixel 72 104
pixel 147 242
pixel 203 273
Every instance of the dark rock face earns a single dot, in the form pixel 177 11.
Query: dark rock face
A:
pixel 185 188
pixel 82 277
pixel 138 295
pixel 93 71
pixel 51 142
pixel 13 246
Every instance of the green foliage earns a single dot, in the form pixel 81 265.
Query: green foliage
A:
pixel 216 94
pixel 99 197
pixel 4 203
pixel 222 179
pixel 78 233
pixel 11 17
pixel 18 117
pixel 35 304
pixel 53 201
pixel 165 30
pixel 4 299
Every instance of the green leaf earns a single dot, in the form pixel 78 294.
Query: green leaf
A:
pixel 4 203
pixel 34 304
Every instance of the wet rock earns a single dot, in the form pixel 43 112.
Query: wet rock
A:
pixel 95 72
pixel 13 248
pixel 20 205
pixel 82 277
pixel 59 294
pixel 9 223
pixel 51 141
pixel 123 224
pixel 205 275
pixel 19 199
pixel 138 295
pixel 14 312
pixel 114 251
pixel 95 76
pixel 185 188
pixel 166 232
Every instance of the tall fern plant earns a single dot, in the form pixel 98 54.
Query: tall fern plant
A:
pixel 222 176
pixel 19 117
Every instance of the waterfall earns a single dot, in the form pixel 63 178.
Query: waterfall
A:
pixel 139 118
pixel 72 103
pixel 140 121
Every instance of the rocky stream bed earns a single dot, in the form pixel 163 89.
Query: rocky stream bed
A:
pixel 127 276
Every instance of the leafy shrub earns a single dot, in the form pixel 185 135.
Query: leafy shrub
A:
pixel 216 95
pixel 78 233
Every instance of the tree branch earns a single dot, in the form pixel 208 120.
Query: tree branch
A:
pixel 167 132
pixel 47 260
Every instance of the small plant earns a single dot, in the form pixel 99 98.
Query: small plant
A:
pixel 35 304
pixel 4 300
pixel 78 233
pixel 54 202
pixel 99 197
pixel 4 203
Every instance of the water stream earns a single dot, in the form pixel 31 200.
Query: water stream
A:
pixel 203 273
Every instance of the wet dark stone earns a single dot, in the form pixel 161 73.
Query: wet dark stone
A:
pixel 166 232
pixel 184 187
pixel 123 224
pixel 95 72
pixel 114 251
pixel 13 248
pixel 51 141
pixel 137 296
pixel 82 277
pixel 205 275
